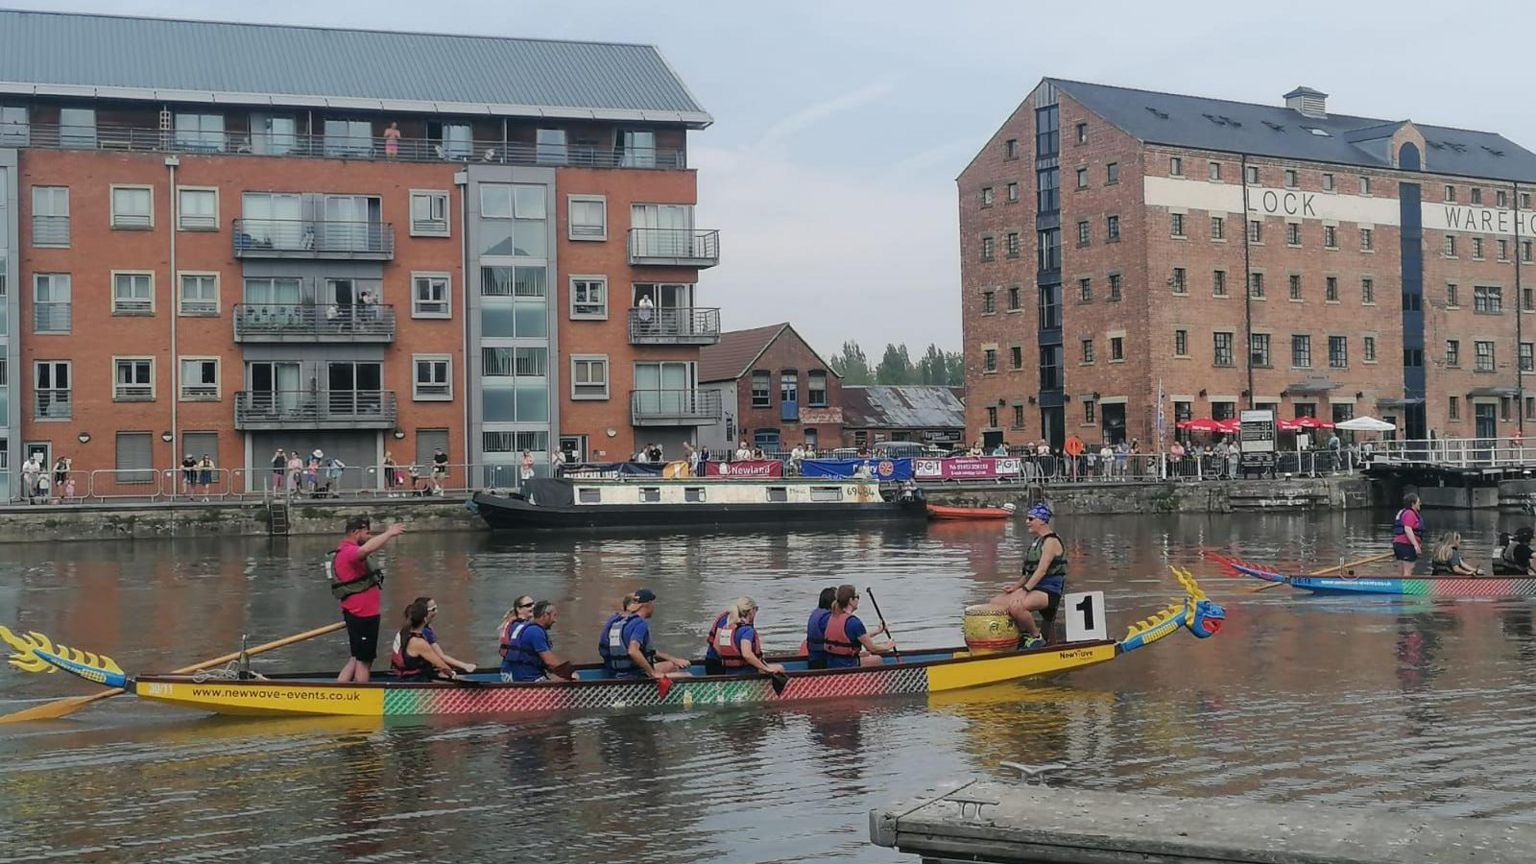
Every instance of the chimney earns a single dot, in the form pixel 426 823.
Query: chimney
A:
pixel 1307 102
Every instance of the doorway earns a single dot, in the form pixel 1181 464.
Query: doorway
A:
pixel 1113 420
pixel 275 387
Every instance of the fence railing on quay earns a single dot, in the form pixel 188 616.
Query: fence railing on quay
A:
pixel 1461 453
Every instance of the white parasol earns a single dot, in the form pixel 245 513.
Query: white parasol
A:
pixel 1365 424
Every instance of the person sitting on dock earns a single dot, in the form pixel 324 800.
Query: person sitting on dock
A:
pixel 734 647
pixel 816 629
pixel 1446 559
pixel 1407 535
pixel 530 653
pixel 416 658
pixel 847 637
pixel 626 643
pixel 397 650
pixel 1042 580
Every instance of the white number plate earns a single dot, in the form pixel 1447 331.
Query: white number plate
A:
pixel 1085 616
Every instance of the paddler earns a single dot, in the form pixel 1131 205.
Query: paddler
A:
pixel 816 629
pixel 626 642
pixel 418 659
pixel 847 638
pixel 734 647
pixel 1041 581
pixel 530 653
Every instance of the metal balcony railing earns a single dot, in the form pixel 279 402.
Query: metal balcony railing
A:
pixel 674 247
pixel 313 238
pixel 691 407
pixel 666 325
pixel 53 404
pixel 334 409
pixel 51 317
pixel 297 145
pixel 311 322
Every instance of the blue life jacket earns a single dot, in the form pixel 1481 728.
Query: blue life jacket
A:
pixel 816 635
pixel 613 646
pixel 522 662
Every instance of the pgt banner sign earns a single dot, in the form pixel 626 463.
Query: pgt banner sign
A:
pixel 968 468
pixel 884 470
pixel 745 468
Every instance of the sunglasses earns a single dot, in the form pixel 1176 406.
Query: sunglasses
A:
pixel 525 606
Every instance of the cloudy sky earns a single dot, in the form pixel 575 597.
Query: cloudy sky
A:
pixel 840 126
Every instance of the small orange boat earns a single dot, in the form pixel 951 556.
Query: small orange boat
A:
pixel 939 511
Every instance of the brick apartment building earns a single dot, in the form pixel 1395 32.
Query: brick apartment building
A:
pixel 1119 242
pixel 360 242
pixel 777 391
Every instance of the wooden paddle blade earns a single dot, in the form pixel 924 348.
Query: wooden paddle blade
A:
pixel 780 681
pixel 57 708
pixel 1351 564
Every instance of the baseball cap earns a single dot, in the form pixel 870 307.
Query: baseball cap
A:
pixel 645 595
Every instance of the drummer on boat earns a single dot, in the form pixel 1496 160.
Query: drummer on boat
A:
pixel 734 647
pixel 625 645
pixel 849 643
pixel 1042 580
pixel 530 653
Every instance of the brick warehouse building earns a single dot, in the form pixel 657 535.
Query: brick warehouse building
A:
pixel 1117 240
pixel 237 256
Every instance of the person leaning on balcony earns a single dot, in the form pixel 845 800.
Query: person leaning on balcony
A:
pixel 392 140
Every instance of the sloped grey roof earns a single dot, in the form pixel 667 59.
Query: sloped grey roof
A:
pixel 121 57
pixel 1243 127
pixel 910 406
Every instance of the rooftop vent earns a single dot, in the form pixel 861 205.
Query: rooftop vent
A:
pixel 1161 115
pixel 1493 151
pixel 1278 127
pixel 1307 102
pixel 1321 133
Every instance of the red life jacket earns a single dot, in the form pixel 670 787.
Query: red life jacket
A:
pixel 837 636
pixel 506 637
pixel 722 638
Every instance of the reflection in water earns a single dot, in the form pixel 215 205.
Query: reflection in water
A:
pixel 1347 701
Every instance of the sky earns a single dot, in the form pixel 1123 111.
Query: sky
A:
pixel 840 125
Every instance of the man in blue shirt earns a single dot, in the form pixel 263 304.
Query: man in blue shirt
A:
pixel 530 654
pixel 816 630
pixel 632 656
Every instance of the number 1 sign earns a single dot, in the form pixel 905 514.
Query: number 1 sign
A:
pixel 1085 616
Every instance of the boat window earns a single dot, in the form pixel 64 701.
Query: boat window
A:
pixel 650 494
pixel 589 496
pixel 777 494
pixel 693 493
pixel 826 493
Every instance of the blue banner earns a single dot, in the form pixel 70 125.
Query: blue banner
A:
pixel 884 470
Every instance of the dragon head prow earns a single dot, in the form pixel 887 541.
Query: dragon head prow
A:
pixel 1203 616
pixel 35 652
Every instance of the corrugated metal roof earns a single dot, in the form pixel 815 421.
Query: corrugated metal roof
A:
pixel 911 406
pixel 56 50
pixel 1275 130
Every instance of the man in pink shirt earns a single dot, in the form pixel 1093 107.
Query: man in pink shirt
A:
pixel 360 608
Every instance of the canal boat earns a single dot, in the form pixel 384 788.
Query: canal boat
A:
pixel 241 692
pixel 651 502
pixel 945 512
pixel 1451 587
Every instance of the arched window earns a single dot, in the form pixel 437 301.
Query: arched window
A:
pixel 1408 157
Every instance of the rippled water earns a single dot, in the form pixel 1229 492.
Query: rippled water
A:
pixel 1381 703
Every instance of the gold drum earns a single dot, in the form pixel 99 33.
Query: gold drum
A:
pixel 989 629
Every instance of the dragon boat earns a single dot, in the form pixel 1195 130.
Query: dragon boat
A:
pixel 484 694
pixel 1452 587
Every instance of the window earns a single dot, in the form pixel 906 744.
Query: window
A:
pixel 1330 236
pixel 1484 356
pixel 1011 244
pixel 1255 231
pixel 514 302
pixel 1218 283
pixel 1488 299
pixel 1449 249
pixel 1221 349
pixel 51 303
pixel 1082 178
pixel 1015 301
pixel 986 196
pixel 1367 239
pixel 1412 302
pixel 987 248
pixel 1112 229
pixel 133 294
pixel 992 416
pixel 433 378
pixel 1368 348
pixel 1453 410
pixel 762 395
pixel 1453 353
pixel 1327 182
pixel 51 382
pixel 1293 234
pixel 1214 170
pixel 1018 416
pixel 1365 185
pixel 1048 249
pixel 1253 174
pixel 1290 178
pixel 200 132
pixel 1181 343
pixel 1177 222
pixel 132 207
pixel 135 463
pixel 134 379
pixel 816 389
pixel 1527 299
pixel 1085 290
pixel 1331 289
pixel 1301 352
pixel 199 294
pixel 1011 148
pixel 589 297
pixel 1218 228
pixel 199 379
pixel 1368 292
pixel 549 147
pixel 1016 357
pixel 1295 283
pixel 1338 352
pixel 1175 166
pixel 429 213
pixel 50 216
pixel 1477 248
pixel 77 128
pixel 1112 173
pixel 1047 196
pixel 1084 233
pixel 1179 281
pixel 1450 193
pixel 1114 286
pixel 989 360
pixel 1527 358
pixel 1013 192
pixel 1082 133
pixel 1256 286
pixel 1503 249
pixel 1450 296
pixel 988 302
pixel 430 295
pixel 1477 195
pixel 789 386
pixel 1088 412
pixel 1258 349
pixel 588 217
pixel 15 129
pixel 196 209
pixel 1525 248
pixel 1087 350
pixel 1116 349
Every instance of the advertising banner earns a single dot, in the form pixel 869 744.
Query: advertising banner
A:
pixel 968 468
pixel 884 470
pixel 610 470
pixel 745 468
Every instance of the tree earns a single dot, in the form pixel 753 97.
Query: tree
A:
pixel 955 374
pixel 934 367
pixel 895 366
pixel 852 364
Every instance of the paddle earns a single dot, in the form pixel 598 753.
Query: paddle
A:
pixel 1326 570
pixel 65 707
pixel 876 603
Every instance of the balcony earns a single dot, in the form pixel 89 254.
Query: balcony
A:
pixel 674 407
pixel 314 238
pixel 304 409
pixel 53 404
pixel 51 317
pixel 311 322
pixel 674 247
pixel 363 147
pixel 674 326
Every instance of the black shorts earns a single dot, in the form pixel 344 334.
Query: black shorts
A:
pixel 1052 606
pixel 362 636
pixel 1404 552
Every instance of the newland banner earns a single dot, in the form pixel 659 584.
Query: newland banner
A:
pixel 968 468
pixel 745 468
